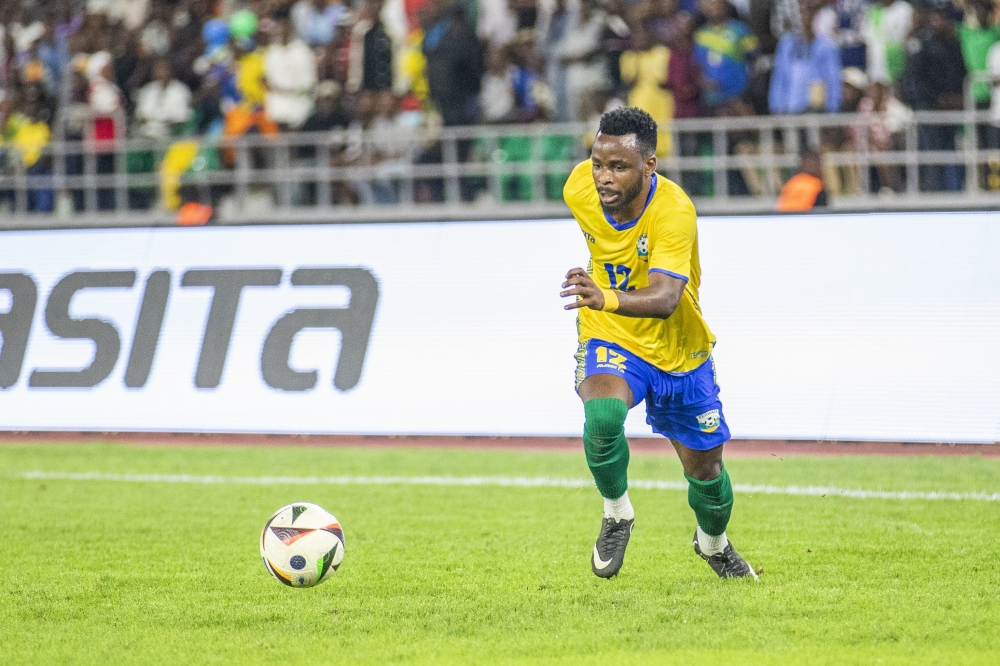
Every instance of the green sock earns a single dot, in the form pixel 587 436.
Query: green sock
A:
pixel 712 502
pixel 605 445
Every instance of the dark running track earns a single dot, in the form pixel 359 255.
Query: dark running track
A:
pixel 735 448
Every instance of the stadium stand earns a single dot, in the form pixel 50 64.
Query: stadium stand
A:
pixel 123 112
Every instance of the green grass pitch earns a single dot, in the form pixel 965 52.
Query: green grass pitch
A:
pixel 99 572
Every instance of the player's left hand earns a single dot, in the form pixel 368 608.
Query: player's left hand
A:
pixel 579 284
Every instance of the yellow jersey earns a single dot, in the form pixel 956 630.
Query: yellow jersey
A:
pixel 664 239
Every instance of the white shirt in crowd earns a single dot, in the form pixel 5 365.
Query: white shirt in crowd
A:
pixel 497 23
pixel 290 71
pixel 584 74
pixel 897 19
pixel 161 106
pixel 993 68
pixel 496 98
pixel 104 98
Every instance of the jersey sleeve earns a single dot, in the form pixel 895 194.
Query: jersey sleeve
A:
pixel 672 239
pixel 578 184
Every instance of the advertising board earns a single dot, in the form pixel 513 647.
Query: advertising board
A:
pixel 878 326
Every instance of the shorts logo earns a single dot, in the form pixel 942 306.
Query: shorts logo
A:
pixel 609 358
pixel 709 421
pixel 642 246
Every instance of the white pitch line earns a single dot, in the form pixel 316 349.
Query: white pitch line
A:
pixel 516 481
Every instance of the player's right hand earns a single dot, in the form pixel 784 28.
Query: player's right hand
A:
pixel 579 284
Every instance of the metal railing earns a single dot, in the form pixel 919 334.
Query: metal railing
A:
pixel 728 165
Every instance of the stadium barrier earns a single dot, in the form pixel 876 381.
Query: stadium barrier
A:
pixel 844 327
pixel 940 159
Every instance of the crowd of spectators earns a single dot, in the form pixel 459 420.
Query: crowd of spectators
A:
pixel 187 70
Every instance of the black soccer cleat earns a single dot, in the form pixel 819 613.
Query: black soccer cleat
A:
pixel 728 563
pixel 609 551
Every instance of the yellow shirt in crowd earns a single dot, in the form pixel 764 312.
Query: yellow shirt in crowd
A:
pixel 646 71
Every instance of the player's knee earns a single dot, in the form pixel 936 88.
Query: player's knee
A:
pixel 705 471
pixel 605 418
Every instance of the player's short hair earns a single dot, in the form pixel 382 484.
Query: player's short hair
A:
pixel 631 120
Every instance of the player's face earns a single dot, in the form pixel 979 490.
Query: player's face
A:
pixel 619 170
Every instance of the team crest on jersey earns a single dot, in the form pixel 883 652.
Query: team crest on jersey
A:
pixel 642 246
pixel 709 421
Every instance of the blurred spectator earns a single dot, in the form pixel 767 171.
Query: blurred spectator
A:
pixel 93 34
pixel 683 74
pixel 329 113
pixel 616 38
pixel 290 70
pixel 28 131
pixel 661 17
pixel 163 104
pixel 993 130
pixel 645 70
pixel 855 85
pixel 371 53
pixel 581 54
pixel 335 59
pixel 785 18
pixel 533 96
pixel 207 107
pixel 497 22
pixel 978 34
pixel 993 68
pixel 245 94
pixel 723 47
pixel 247 83
pixel 512 89
pixel 684 82
pixel 555 73
pixel 53 53
pixel 155 36
pixel 806 73
pixel 844 179
pixel 454 76
pixel 933 80
pixel 388 149
pixel 496 98
pixel 883 120
pixel 107 111
pixel 885 28
pixel 316 20
pixel 805 190
pixel 104 97
pixel 759 22
pixel 453 64
pixel 850 22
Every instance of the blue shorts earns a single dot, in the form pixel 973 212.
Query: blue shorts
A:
pixel 683 406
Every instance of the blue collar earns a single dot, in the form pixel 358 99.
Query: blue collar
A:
pixel 622 226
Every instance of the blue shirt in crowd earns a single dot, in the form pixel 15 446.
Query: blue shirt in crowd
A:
pixel 722 53
pixel 800 67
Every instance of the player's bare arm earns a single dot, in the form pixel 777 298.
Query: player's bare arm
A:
pixel 658 300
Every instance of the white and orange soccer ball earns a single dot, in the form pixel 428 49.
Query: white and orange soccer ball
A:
pixel 302 544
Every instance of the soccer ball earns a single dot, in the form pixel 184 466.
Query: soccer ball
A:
pixel 302 544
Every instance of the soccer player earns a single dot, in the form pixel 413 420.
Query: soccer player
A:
pixel 642 337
